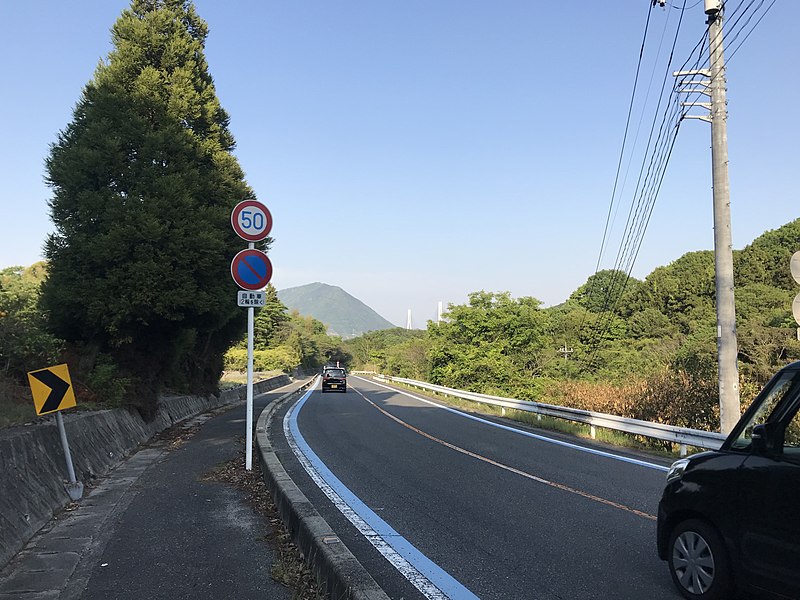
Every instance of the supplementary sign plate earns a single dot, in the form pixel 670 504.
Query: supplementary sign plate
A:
pixel 52 389
pixel 252 298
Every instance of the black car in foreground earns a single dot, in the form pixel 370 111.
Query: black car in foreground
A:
pixel 729 520
pixel 334 379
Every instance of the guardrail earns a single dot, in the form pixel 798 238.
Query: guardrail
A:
pixel 678 435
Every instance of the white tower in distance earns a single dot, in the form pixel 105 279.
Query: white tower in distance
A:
pixel 439 313
pixel 408 320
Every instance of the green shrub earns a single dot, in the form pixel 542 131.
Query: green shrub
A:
pixel 106 382
pixel 274 359
pixel 25 343
pixel 236 359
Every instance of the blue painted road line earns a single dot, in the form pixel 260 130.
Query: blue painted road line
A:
pixel 428 577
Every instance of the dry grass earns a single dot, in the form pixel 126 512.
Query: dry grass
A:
pixel 234 378
pixel 603 398
pixel 670 397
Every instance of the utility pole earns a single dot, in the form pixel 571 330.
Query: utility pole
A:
pixel 713 84
pixel 566 351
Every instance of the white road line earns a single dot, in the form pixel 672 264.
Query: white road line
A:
pixel 542 438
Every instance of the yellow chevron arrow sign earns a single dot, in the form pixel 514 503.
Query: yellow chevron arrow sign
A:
pixel 52 389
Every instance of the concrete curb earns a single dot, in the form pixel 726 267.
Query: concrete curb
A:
pixel 334 566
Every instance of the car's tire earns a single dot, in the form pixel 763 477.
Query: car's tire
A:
pixel 344 389
pixel 698 561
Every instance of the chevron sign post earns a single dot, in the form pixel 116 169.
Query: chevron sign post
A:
pixel 52 392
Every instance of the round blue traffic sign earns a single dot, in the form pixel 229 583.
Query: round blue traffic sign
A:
pixel 251 269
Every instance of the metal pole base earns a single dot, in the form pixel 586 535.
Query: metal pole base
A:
pixel 75 490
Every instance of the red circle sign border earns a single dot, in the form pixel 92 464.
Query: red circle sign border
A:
pixel 243 284
pixel 235 220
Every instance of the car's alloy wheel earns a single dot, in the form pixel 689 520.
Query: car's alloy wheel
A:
pixel 698 561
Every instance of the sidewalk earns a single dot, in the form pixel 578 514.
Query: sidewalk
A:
pixel 156 527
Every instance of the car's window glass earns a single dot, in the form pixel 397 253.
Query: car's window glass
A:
pixel 777 393
pixel 335 373
pixel 792 437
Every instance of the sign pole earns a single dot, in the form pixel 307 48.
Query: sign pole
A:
pixel 250 332
pixel 794 267
pixel 74 487
pixel 251 270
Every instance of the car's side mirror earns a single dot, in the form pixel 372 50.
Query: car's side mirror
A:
pixel 759 439
pixel 766 439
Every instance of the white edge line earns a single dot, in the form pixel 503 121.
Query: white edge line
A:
pixel 542 438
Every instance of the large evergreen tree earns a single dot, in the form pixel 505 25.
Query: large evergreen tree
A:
pixel 143 182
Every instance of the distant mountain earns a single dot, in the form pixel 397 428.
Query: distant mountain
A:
pixel 344 315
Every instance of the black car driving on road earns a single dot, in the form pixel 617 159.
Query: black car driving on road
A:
pixel 729 520
pixel 334 378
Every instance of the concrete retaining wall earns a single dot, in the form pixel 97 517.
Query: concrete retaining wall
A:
pixel 33 470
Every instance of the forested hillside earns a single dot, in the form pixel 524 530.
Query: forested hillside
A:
pixel 645 349
pixel 285 340
pixel 344 315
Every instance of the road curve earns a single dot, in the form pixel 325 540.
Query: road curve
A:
pixel 505 515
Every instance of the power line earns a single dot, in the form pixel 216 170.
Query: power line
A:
pixel 735 50
pixel 687 8
pixel 639 214
pixel 622 151
pixel 641 116
pixel 651 179
pixel 731 35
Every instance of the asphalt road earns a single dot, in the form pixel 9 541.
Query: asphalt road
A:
pixel 506 515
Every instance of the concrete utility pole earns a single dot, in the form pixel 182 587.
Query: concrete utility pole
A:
pixel 713 85
pixel 729 407
pixel 566 351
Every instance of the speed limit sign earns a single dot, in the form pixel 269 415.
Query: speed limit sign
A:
pixel 251 220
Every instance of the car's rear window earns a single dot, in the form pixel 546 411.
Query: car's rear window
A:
pixel 334 373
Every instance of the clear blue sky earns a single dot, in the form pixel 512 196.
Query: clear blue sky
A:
pixel 416 151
